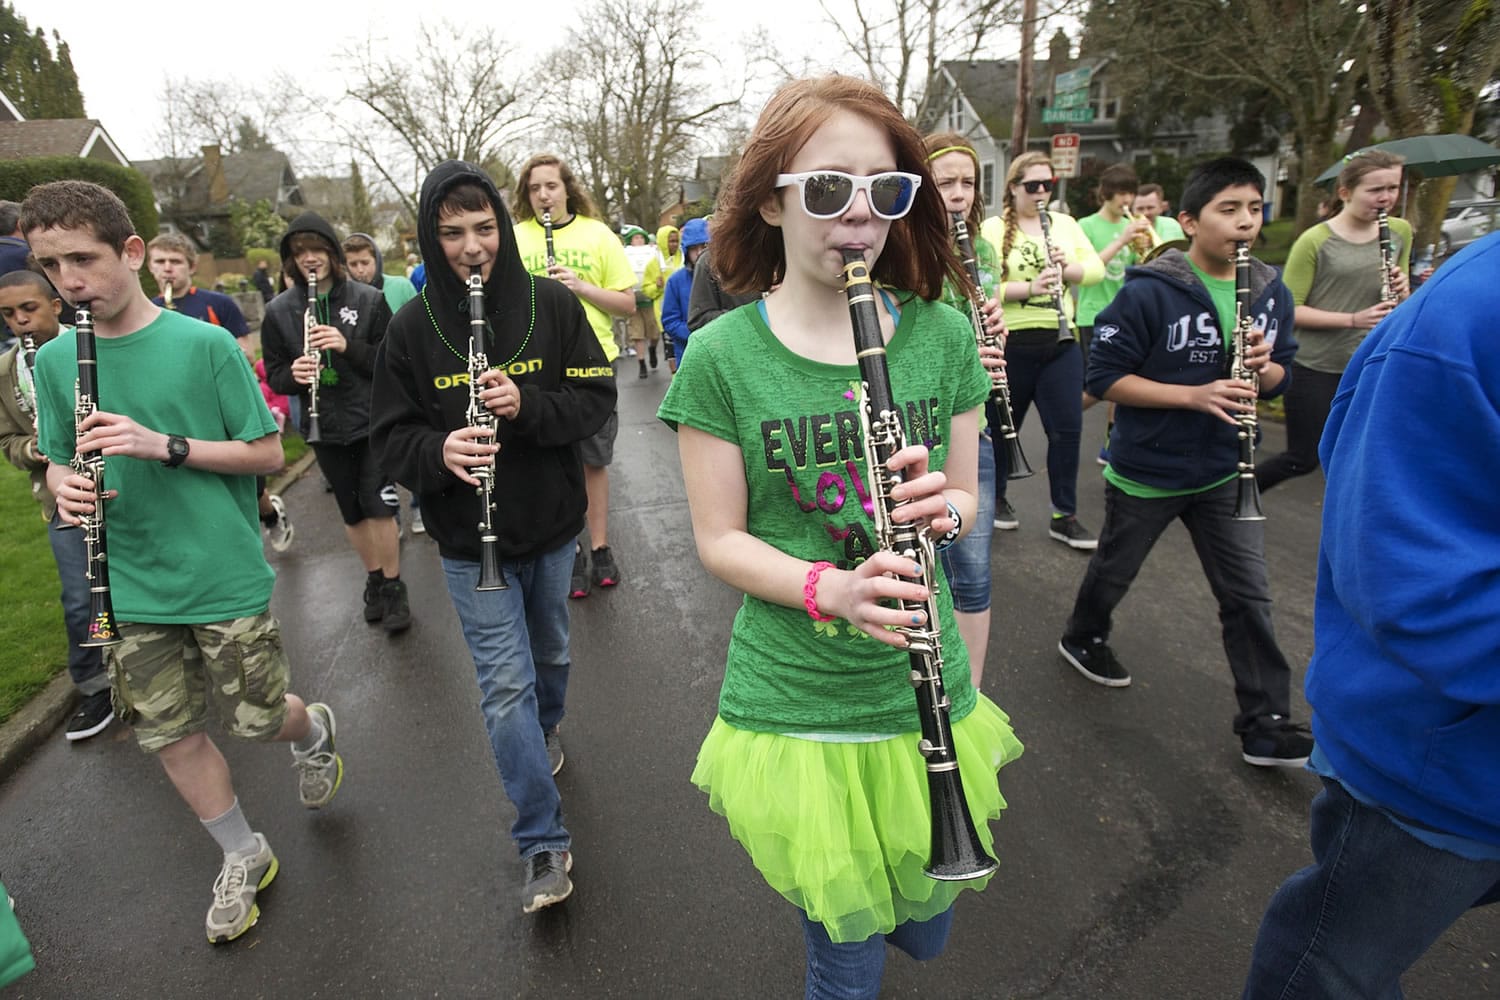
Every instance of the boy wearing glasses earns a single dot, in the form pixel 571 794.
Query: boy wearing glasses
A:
pixel 1161 350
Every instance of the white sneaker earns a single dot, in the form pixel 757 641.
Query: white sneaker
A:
pixel 234 910
pixel 320 770
pixel 417 526
pixel 281 532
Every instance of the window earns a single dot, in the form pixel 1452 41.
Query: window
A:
pixel 987 182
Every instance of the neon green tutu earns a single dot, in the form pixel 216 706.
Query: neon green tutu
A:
pixel 842 829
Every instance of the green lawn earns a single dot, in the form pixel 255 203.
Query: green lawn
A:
pixel 33 643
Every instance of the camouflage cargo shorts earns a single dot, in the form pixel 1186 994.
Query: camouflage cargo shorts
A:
pixel 165 677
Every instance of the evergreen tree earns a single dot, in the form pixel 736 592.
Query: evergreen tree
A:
pixel 361 215
pixel 39 84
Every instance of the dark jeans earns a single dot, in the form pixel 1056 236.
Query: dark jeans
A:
pixel 1372 902
pixel 853 970
pixel 85 666
pixel 1232 554
pixel 1308 400
pixel 1052 376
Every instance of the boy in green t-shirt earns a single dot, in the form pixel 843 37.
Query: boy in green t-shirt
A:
pixel 184 430
pixel 1161 351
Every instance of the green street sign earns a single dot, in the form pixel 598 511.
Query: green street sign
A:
pixel 1072 99
pixel 1054 116
pixel 1077 79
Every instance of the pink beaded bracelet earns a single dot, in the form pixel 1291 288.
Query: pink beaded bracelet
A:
pixel 810 592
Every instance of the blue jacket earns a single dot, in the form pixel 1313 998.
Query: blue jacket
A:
pixel 1163 326
pixel 674 309
pixel 1405 680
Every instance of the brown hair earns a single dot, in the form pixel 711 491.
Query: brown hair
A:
pixel 1117 179
pixel 78 205
pixel 942 143
pixel 748 253
pixel 1018 168
pixel 1155 189
pixel 359 243
pixel 301 240
pixel 579 202
pixel 465 197
pixel 175 242
pixel 1356 166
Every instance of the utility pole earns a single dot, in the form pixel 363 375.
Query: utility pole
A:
pixel 1020 123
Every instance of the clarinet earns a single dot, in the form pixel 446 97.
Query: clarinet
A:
pixel 1064 328
pixel 1000 391
pixel 310 320
pixel 491 575
pixel 1247 503
pixel 166 297
pixel 956 853
pixel 103 630
pixel 1387 258
pixel 25 376
pixel 547 232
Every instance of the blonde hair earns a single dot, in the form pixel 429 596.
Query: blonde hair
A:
pixel 1018 168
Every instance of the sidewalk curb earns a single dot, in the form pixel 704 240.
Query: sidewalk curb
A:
pixel 35 723
pixel 39 718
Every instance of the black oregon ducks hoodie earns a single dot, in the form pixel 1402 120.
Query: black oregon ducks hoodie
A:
pixel 539 336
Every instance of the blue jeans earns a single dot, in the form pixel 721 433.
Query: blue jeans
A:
pixel 966 563
pixel 519 641
pixel 85 666
pixel 1052 376
pixel 1374 900
pixel 853 970
pixel 1232 554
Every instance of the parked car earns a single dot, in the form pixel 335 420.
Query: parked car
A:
pixel 1466 223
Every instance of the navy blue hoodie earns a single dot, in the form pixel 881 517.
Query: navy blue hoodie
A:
pixel 1163 326
pixel 538 333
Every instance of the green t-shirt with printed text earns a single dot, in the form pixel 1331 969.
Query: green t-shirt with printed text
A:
pixel 797 427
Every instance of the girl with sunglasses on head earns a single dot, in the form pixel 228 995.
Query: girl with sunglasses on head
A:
pixel 813 758
pixel 1043 361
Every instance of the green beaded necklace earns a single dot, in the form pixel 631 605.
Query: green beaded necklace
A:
pixel 464 355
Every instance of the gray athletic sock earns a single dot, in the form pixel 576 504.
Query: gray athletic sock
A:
pixel 314 737
pixel 232 832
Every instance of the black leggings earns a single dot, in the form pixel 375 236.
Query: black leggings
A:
pixel 1308 400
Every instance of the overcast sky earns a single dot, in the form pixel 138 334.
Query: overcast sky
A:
pixel 123 55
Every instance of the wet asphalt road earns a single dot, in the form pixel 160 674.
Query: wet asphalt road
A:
pixel 1137 854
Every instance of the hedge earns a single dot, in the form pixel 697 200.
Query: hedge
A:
pixel 17 177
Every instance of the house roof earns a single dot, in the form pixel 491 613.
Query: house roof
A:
pixel 183 181
pixel 83 137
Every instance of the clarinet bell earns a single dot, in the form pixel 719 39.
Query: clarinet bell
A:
pixel 1016 458
pixel 491 576
pixel 956 854
pixel 314 434
pixel 1247 504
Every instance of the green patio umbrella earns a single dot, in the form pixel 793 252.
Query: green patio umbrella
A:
pixel 1433 155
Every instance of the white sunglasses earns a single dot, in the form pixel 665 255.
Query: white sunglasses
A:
pixel 827 194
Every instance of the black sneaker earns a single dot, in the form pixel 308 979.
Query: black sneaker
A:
pixel 579 588
pixel 606 573
pixel 555 756
pixel 1281 744
pixel 397 608
pixel 1066 529
pixel 651 353
pixel 1096 661
pixel 374 598
pixel 547 880
pixel 1005 516
pixel 94 715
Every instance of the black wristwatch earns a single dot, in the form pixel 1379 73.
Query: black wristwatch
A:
pixel 177 451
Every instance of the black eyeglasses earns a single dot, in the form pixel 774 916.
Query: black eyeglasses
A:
pixel 1037 187
pixel 827 194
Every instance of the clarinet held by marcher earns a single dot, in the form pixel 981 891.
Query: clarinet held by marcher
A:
pixel 956 853
pixel 310 320
pixel 103 630
pixel 491 575
pixel 1247 503
pixel 547 234
pixel 1064 328
pixel 1387 258
pixel 1000 387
